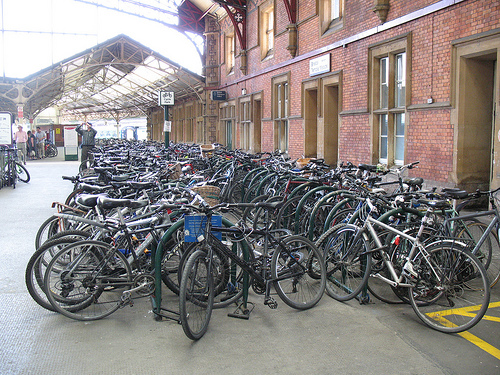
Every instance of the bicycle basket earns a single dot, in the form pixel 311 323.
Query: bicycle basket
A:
pixel 210 193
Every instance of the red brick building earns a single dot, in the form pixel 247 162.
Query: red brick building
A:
pixel 354 80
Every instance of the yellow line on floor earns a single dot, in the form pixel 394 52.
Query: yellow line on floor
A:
pixel 461 311
pixel 481 344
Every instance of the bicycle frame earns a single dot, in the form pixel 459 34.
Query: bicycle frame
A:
pixel 494 223
pixel 269 240
pixel 417 247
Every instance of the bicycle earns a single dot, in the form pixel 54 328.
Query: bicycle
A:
pixel 448 287
pixel 91 279
pixel 50 149
pixel 13 170
pixel 292 264
pixel 449 221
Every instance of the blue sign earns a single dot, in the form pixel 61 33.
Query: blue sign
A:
pixel 194 227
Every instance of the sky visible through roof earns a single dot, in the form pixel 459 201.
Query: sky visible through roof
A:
pixel 36 34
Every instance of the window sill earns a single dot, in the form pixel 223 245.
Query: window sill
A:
pixel 334 26
pixel 269 56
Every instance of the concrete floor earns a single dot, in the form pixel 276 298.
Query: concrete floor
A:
pixel 332 338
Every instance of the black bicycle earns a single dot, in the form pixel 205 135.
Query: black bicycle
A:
pixel 290 263
pixel 13 170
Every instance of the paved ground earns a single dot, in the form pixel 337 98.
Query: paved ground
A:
pixel 332 338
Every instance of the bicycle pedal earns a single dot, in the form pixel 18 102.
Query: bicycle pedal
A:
pixel 271 302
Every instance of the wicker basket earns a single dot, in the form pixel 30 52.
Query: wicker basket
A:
pixel 210 193
pixel 301 163
pixel 207 150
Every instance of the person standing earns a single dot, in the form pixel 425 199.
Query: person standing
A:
pixel 88 138
pixel 40 142
pixel 31 145
pixel 21 138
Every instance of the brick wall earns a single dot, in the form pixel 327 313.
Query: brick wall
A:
pixel 429 135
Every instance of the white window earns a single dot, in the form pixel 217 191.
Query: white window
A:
pixel 281 118
pixel 390 106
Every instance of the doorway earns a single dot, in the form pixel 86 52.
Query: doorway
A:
pixel 477 130
pixel 257 126
pixel 311 123
pixel 331 124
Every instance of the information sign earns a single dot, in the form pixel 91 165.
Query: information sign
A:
pixel 5 128
pixel 166 98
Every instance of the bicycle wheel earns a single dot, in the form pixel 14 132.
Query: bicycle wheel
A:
pixel 35 269
pixel 196 295
pixel 86 167
pixel 51 227
pixel 227 275
pixel 377 287
pixel 22 173
pixel 86 280
pixel 489 252
pixel 295 268
pixel 71 198
pixel 285 218
pixel 347 259
pixel 451 292
pixel 173 252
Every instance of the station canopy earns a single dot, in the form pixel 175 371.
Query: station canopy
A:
pixel 118 78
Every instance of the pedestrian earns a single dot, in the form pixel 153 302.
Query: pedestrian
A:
pixel 21 138
pixel 88 138
pixel 40 142
pixel 31 146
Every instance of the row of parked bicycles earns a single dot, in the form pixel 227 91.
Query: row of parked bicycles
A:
pixel 11 169
pixel 211 224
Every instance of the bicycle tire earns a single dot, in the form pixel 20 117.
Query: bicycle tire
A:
pixel 446 295
pixel 196 295
pixel 285 219
pixel 86 166
pixel 50 227
pixel 295 282
pixel 22 173
pixel 489 252
pixel 35 269
pixel 71 198
pixel 173 252
pixel 348 264
pixel 99 275
pixel 227 276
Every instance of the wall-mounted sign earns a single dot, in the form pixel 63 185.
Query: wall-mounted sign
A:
pixel 167 126
pixel 218 95
pixel 5 128
pixel 319 65
pixel 166 98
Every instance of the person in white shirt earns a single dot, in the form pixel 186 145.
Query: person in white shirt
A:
pixel 21 138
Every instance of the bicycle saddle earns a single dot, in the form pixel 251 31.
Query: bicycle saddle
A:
pixel 455 193
pixel 87 200
pixel 438 204
pixel 107 203
pixel 415 181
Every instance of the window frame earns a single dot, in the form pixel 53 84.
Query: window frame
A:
pixel 230 52
pixel 281 112
pixel 330 20
pixel 387 109
pixel 267 29
pixel 227 117
pixel 245 115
